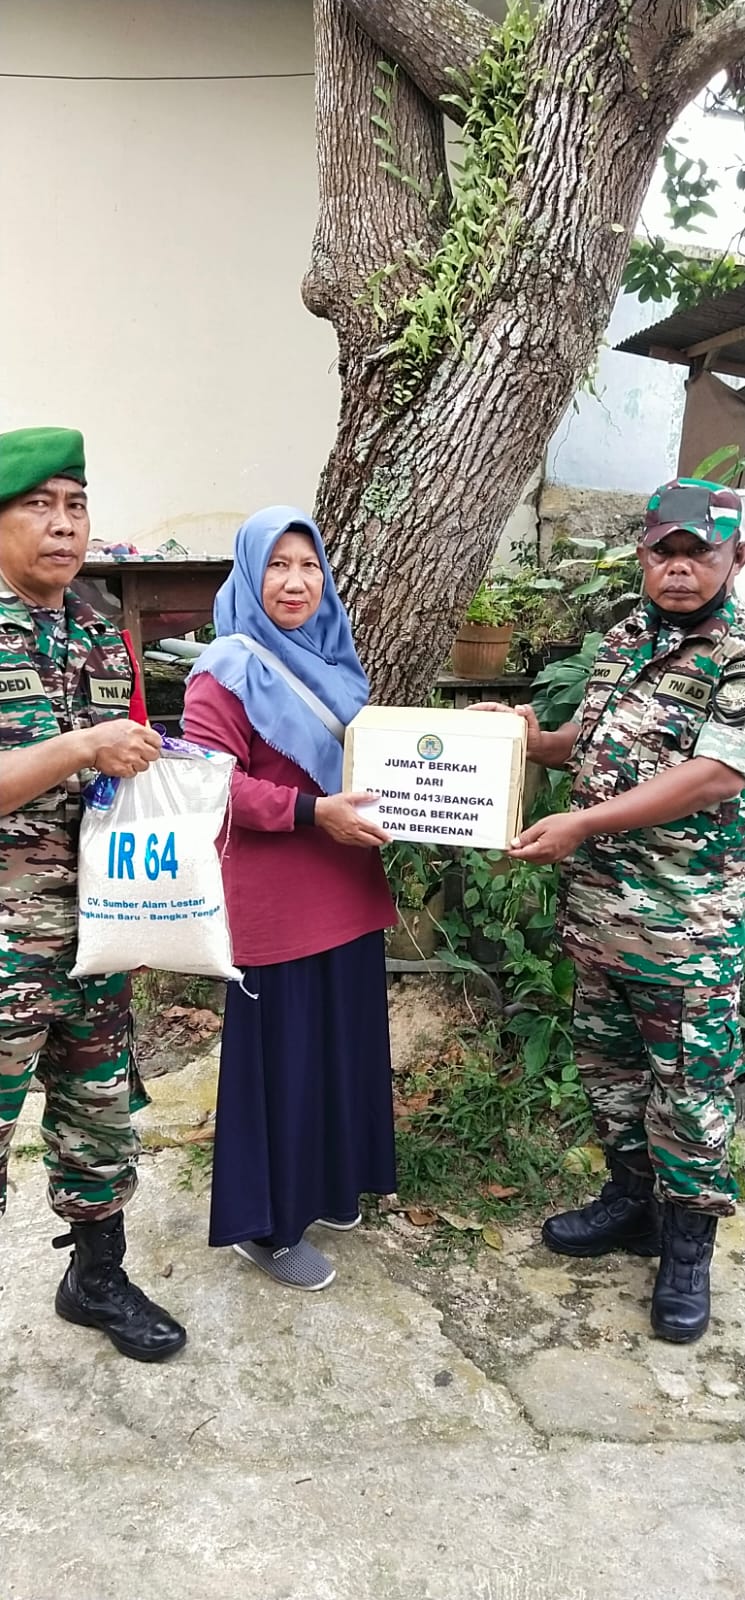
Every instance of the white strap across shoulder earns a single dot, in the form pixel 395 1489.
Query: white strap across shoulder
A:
pixel 311 700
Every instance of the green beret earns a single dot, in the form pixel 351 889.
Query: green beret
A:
pixel 31 455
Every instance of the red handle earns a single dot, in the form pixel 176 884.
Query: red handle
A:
pixel 137 707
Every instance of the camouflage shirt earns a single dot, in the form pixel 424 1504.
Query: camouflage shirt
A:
pixel 58 672
pixel 663 904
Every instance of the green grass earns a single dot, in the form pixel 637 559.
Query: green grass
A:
pixel 485 1122
pixel 196 1166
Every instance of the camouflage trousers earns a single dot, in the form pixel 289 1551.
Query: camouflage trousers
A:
pixel 77 1038
pixel 658 1065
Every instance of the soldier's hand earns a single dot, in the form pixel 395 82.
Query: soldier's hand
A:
pixel 552 839
pixel 121 748
pixel 534 732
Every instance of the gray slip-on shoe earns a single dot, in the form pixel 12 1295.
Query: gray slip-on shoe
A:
pixel 340 1224
pixel 297 1266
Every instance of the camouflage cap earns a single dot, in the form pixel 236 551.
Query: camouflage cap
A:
pixel 692 505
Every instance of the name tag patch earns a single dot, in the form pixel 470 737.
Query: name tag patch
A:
pixel 607 672
pixel 21 684
pixel 109 691
pixel 694 691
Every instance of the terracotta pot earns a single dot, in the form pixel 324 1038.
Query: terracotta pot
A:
pixel 480 652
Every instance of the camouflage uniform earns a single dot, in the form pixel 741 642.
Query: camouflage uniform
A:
pixel 61 671
pixel 654 917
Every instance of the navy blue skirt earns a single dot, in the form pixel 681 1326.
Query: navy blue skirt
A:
pixel 305 1104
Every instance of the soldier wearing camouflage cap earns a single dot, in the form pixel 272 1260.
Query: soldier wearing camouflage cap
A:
pixel 653 900
pixel 65 686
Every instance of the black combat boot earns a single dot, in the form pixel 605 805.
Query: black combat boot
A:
pixel 97 1293
pixel 625 1216
pixel 681 1301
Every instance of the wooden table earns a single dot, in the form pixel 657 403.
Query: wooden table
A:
pixel 514 689
pixel 157 599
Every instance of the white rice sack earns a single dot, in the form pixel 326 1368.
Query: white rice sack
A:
pixel 150 890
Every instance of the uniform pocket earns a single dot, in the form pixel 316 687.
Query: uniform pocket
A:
pixel 26 715
pixel 670 735
pixel 107 695
pixel 710 1037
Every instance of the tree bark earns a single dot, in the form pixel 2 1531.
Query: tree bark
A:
pixel 446 37
pixel 412 501
pixel 368 217
pixel 719 44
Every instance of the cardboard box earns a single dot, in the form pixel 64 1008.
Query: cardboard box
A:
pixel 443 777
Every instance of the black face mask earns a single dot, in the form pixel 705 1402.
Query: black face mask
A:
pixel 691 619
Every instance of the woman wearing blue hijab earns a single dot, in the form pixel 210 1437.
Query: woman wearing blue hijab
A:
pixel 304 1112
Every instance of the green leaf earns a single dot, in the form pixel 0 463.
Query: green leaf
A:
pixel 537 1047
pixel 593 586
pixel 540 920
pixel 564 978
pixel 708 466
pixel 456 100
pixel 521 1027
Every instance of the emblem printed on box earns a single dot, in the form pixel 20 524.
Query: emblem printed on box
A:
pixel 430 747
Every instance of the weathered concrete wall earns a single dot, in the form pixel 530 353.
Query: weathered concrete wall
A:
pixel 566 513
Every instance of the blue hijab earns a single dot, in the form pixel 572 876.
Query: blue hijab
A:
pixel 321 653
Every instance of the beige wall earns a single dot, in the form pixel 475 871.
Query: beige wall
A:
pixel 154 238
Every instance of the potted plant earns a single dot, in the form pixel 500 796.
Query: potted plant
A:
pixel 544 622
pixel 415 879
pixel 603 582
pixel 482 644
pixel 550 630
pixel 584 587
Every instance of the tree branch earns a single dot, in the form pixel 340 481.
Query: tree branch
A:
pixel 427 37
pixel 377 200
pixel 713 47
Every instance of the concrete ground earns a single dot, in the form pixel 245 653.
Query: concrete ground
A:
pixel 506 1430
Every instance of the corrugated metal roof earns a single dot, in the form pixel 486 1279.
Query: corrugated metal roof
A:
pixel 683 329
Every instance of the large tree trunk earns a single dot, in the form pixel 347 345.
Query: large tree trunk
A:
pixel 413 498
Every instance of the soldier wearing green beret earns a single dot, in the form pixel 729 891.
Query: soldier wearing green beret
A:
pixel 653 900
pixel 65 685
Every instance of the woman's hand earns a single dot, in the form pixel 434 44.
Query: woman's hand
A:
pixel 535 737
pixel 340 818
pixel 552 839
